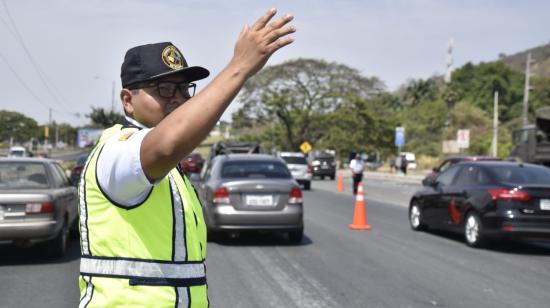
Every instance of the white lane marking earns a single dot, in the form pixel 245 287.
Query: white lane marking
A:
pixel 302 289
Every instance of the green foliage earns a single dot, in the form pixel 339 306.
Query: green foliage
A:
pixel 17 126
pixel 417 91
pixel 423 127
pixel 298 97
pixel 354 126
pixel 477 83
pixel 104 119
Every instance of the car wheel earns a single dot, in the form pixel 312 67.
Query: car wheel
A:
pixel 322 177
pixel 295 237
pixel 332 177
pixel 415 217
pixel 307 185
pixel 473 229
pixel 58 246
pixel 74 231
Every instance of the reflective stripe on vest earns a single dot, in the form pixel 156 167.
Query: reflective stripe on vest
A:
pixel 128 268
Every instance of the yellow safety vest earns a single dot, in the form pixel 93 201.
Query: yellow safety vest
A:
pixel 148 255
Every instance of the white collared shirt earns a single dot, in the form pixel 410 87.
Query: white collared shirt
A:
pixel 357 165
pixel 119 170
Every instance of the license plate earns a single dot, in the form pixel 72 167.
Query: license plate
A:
pixel 545 204
pixel 324 167
pixel 259 200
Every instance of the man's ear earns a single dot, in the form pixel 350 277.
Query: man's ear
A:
pixel 126 99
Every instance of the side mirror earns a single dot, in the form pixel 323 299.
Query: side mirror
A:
pixel 429 181
pixel 434 169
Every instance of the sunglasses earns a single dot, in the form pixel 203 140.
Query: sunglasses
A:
pixel 167 89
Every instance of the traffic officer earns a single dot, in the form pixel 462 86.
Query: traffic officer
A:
pixel 143 236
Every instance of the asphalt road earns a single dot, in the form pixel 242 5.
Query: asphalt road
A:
pixel 389 266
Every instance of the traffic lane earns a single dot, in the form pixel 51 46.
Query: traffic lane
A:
pixel 389 266
pixel 29 279
pixel 393 191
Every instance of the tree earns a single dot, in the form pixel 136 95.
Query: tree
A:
pixel 477 84
pixel 299 94
pixel 17 126
pixel 417 91
pixel 103 119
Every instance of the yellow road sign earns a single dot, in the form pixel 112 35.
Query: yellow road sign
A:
pixel 305 147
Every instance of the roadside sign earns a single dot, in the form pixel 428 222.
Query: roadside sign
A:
pixel 399 136
pixel 463 138
pixel 305 147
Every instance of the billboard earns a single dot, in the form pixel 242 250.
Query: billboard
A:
pixel 87 137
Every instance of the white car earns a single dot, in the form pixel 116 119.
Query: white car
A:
pixel 298 166
pixel 18 151
pixel 411 159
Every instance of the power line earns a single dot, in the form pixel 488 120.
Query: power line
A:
pixel 23 83
pixel 43 77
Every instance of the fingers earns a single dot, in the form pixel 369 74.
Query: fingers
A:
pixel 262 21
pixel 276 24
pixel 280 43
pixel 278 33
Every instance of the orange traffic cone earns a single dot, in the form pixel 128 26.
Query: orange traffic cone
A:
pixel 340 182
pixel 360 214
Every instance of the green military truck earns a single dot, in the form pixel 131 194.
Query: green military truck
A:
pixel 532 142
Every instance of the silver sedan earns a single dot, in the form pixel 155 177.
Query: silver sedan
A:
pixel 37 203
pixel 251 192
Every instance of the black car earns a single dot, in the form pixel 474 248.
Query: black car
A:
pixel 486 200
pixel 77 169
pixel 323 165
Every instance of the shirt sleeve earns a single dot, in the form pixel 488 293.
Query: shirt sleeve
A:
pixel 119 170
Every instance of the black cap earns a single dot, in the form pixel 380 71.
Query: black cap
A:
pixel 153 61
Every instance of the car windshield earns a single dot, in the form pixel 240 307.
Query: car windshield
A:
pixel 17 153
pixel 521 175
pixel 23 175
pixel 325 158
pixel 295 160
pixel 255 169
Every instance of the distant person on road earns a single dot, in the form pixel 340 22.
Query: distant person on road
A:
pixel 143 235
pixel 357 166
pixel 404 164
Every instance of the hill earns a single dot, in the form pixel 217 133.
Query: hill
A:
pixel 540 56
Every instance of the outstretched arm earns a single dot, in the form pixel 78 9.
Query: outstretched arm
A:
pixel 185 128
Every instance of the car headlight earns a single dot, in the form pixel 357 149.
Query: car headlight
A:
pixel 316 163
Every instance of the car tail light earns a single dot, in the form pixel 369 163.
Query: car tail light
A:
pixel 45 207
pixel 77 170
pixel 221 195
pixel 309 169
pixel 509 194
pixel 295 196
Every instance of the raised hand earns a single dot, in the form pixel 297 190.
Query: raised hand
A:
pixel 258 42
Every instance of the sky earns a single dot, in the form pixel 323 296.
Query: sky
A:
pixel 65 55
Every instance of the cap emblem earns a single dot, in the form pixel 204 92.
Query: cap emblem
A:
pixel 172 57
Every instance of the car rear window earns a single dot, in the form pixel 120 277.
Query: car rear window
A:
pixel 255 169
pixel 521 174
pixel 23 175
pixel 325 158
pixel 295 160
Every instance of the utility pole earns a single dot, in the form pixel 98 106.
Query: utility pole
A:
pixel 494 144
pixel 113 98
pixel 450 61
pixel 526 90
pixel 56 135
pixel 47 136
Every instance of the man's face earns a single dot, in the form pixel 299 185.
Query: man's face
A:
pixel 151 102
